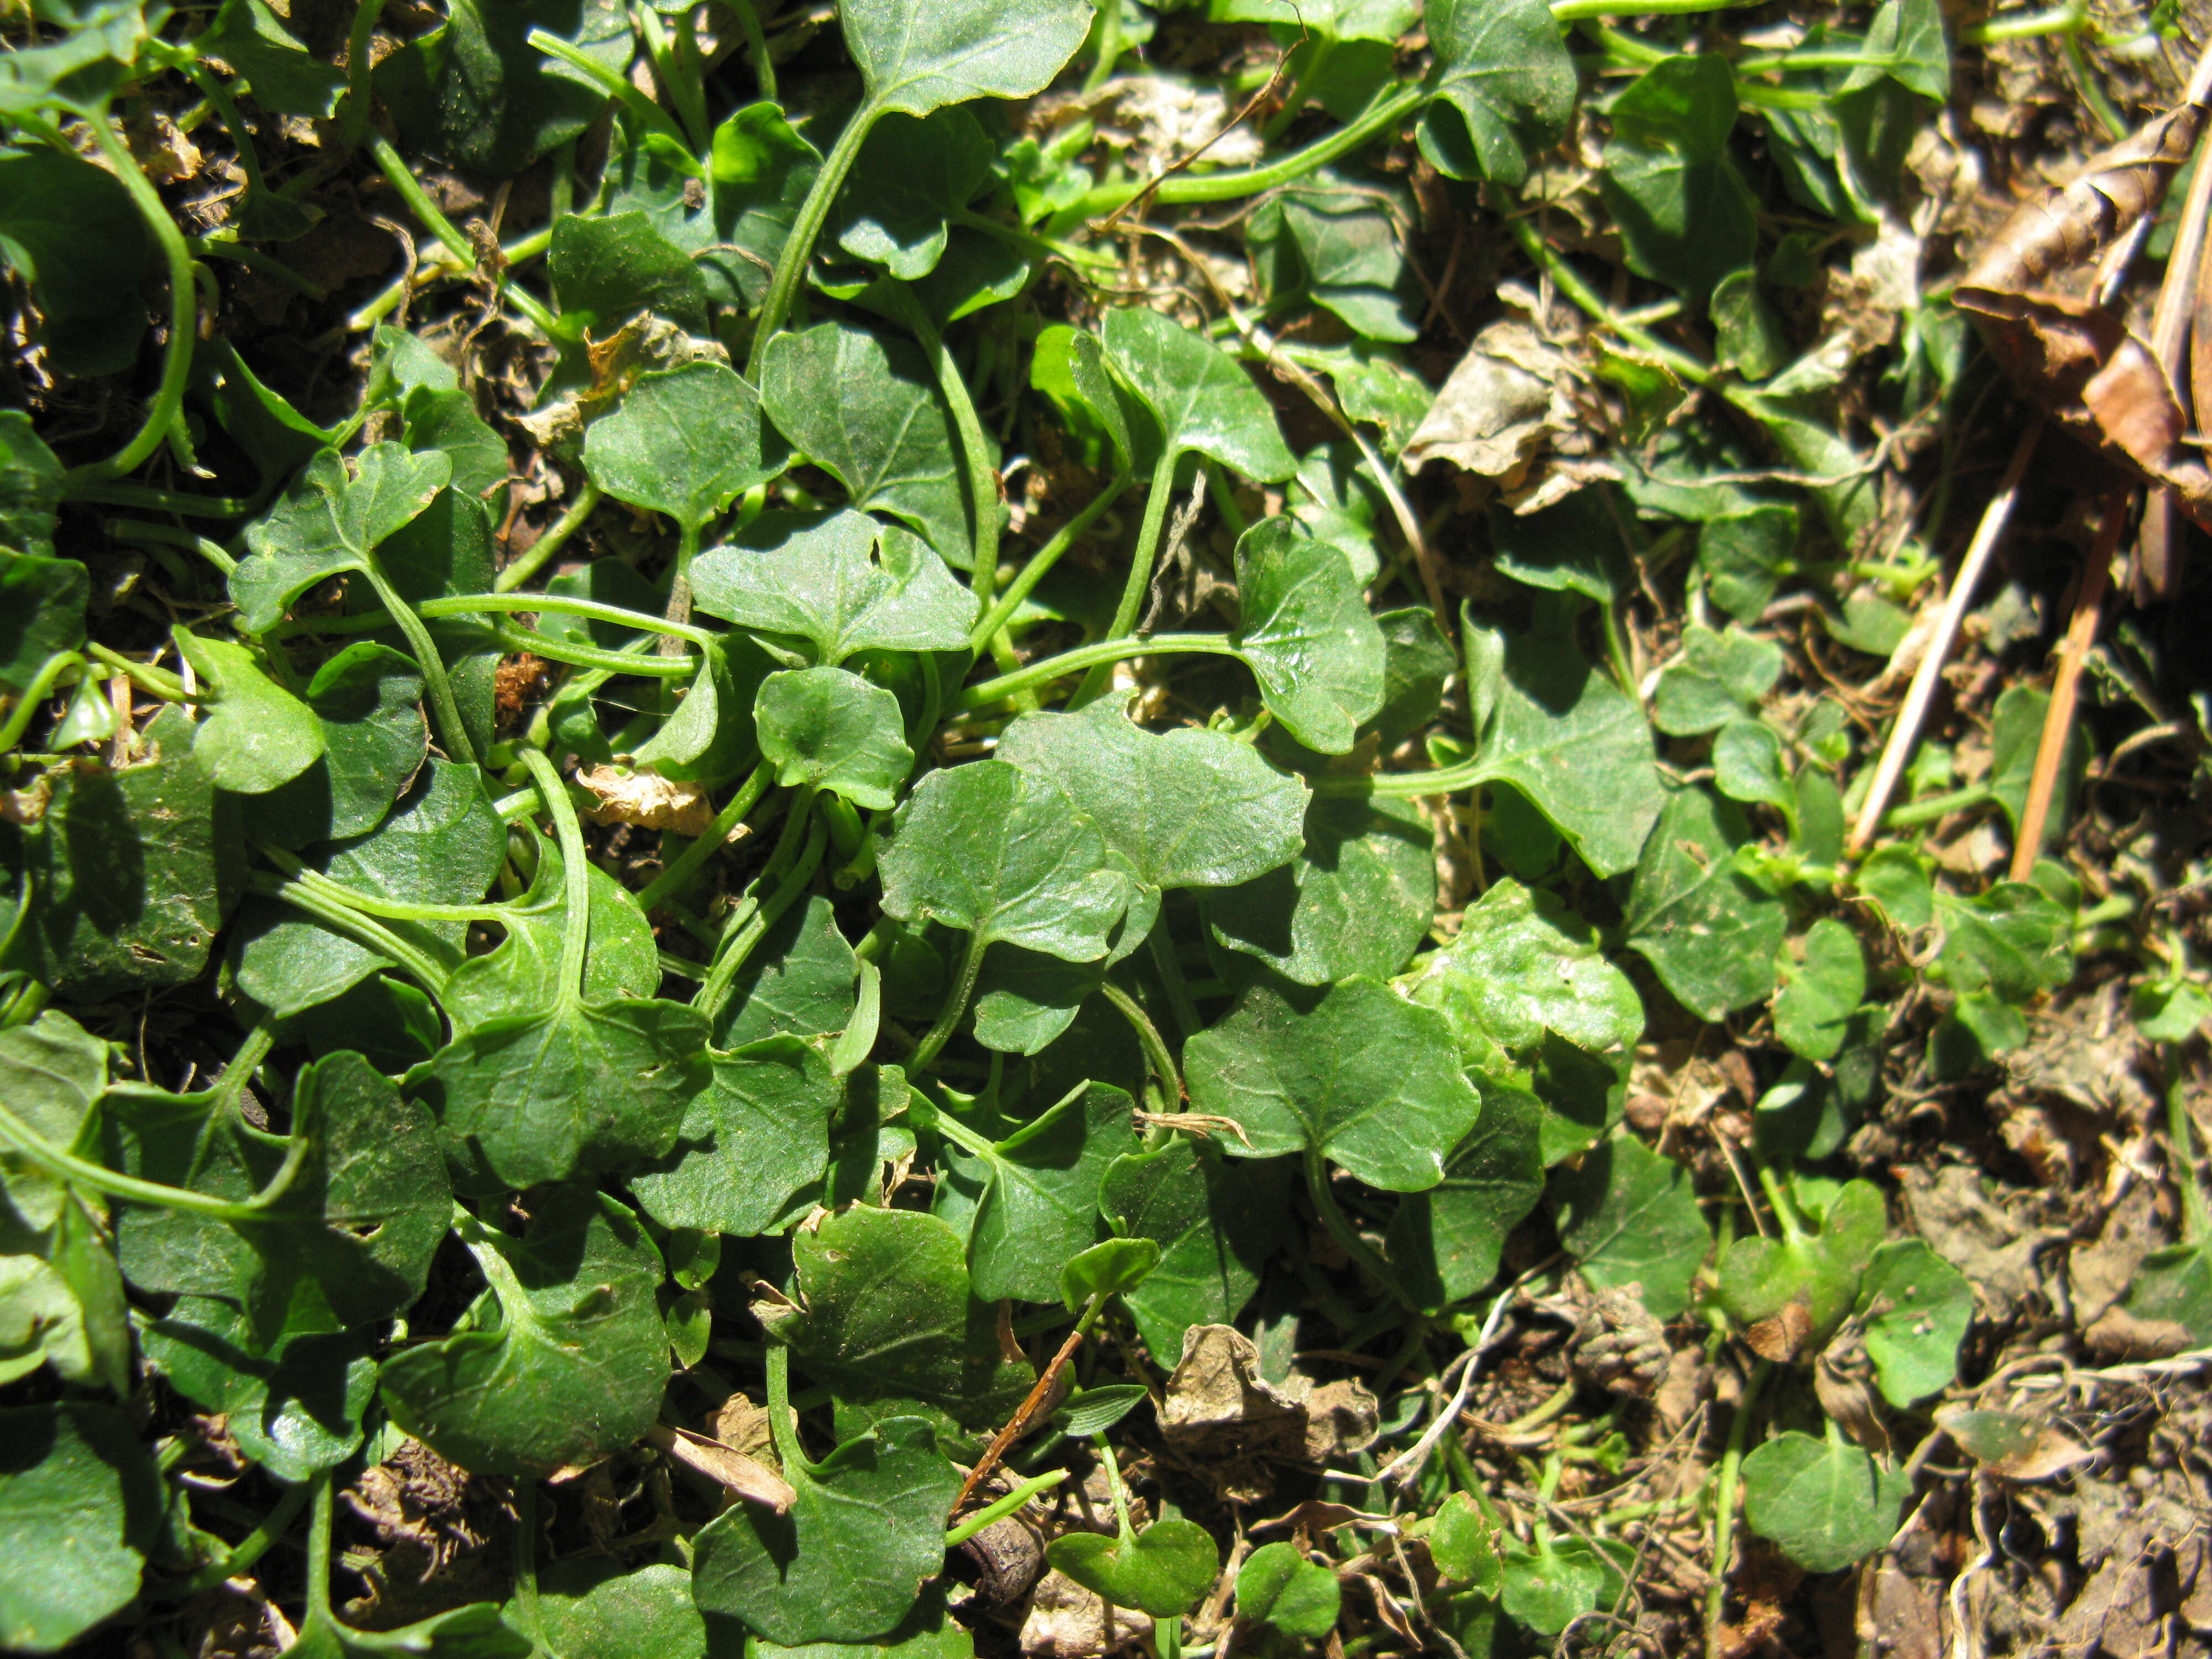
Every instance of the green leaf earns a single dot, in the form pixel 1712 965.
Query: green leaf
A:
pixel 1160 1570
pixel 80 1504
pixel 814 579
pixel 1445 1244
pixel 1686 218
pixel 1746 555
pixel 591 1608
pixel 822 728
pixel 293 1404
pixel 887 437
pixel 1827 1503
pixel 1916 1307
pixel 1112 1266
pixel 328 522
pixel 1358 900
pixel 1354 1072
pixel 50 1072
pixel 1185 808
pixel 1464 1545
pixel 1035 1192
pixel 1707 932
pixel 574 1367
pixel 257 735
pixel 1502 66
pixel 1307 635
pixel 711 736
pixel 521 975
pixel 919 55
pixel 41 614
pixel 1567 738
pixel 1813 1013
pixel 1091 1412
pixel 863 1533
pixel 127 876
pixel 982 848
pixel 759 170
pixel 1629 1216
pixel 753 1139
pixel 478 93
pixel 2012 942
pixel 72 232
pixel 1908 36
pixel 369 699
pixel 2173 1287
pixel 1820 1271
pixel 910 176
pixel 1199 397
pixel 608 270
pixel 571 1089
pixel 1278 1586
pixel 358 1226
pixel 1718 678
pixel 1748 766
pixel 286 77
pixel 1548 1587
pixel 1896 879
pixel 30 491
pixel 1574 547
pixel 1522 965
pixel 799 980
pixel 1215 1221
pixel 685 441
pixel 2015 733
pixel 887 1310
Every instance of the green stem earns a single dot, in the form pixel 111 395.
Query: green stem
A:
pixel 252 1547
pixel 1378 117
pixel 1109 48
pixel 948 1017
pixel 1928 809
pixel 678 74
pixel 615 86
pixel 1149 1039
pixel 136 530
pixel 756 52
pixel 184 313
pixel 394 169
pixel 2195 1219
pixel 555 605
pixel 976 448
pixel 1569 283
pixel 526 1564
pixel 1724 1496
pixel 1170 967
pixel 576 928
pixel 358 927
pixel 1041 563
pixel 781 1428
pixel 1000 1509
pixel 765 914
pixel 799 245
pixel 319 1559
pixel 1087 656
pixel 1141 570
pixel 511 254
pixel 678 614
pixel 69 1166
pixel 1778 1195
pixel 41 687
pixel 672 880
pixel 352 126
pixel 451 732
pixel 516 638
pixel 1408 785
pixel 313 881
pixel 1568 11
pixel 1341 1229
pixel 522 569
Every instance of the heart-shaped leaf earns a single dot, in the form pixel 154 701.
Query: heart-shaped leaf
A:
pixel 981 848
pixel 1354 1071
pixel 1033 1196
pixel 1278 1586
pixel 866 1530
pixel 919 55
pixel 1160 1570
pixel 1709 933
pixel 1820 1271
pixel 1307 636
pixel 1827 1503
pixel 814 579
pixel 1199 397
pixel 369 699
pixel 1813 1012
pixel 1358 900
pixel 1502 65
pixel 1628 1216
pixel 574 1366
pixel 329 521
pixel 257 735
pixel 754 1139
pixel 685 442
pixel 887 436
pixel 822 728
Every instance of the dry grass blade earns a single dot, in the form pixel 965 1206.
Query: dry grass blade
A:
pixel 2065 688
pixel 2181 301
pixel 1905 733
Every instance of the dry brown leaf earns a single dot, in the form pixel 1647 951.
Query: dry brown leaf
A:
pixel 2013 1444
pixel 1782 1338
pixel 645 798
pixel 753 1481
pixel 1318 1515
pixel 1066 1622
pixel 1506 400
pixel 1342 1420
pixel 1224 1419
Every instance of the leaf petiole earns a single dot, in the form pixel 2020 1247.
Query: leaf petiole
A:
pixel 672 879
pixel 1088 656
pixel 394 169
pixel 451 732
pixel 1140 578
pixel 999 1508
pixel 576 926
pixel 1041 561
pixel 805 229
pixel 948 1017
pixel 1341 1229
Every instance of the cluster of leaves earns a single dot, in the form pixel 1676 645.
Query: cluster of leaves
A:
pixel 967 974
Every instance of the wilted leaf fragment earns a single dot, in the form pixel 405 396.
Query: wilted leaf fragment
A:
pixel 1354 1072
pixel 574 1368
pixel 1502 402
pixel 866 1530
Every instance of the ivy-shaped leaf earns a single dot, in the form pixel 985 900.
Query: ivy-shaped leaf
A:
pixel 1354 1072
pixel 1686 218
pixel 685 441
pixel 814 579
pixel 822 728
pixel 1358 899
pixel 755 1139
pixel 1628 1216
pixel 1709 933
pixel 1502 65
pixel 328 522
pixel 1820 1271
pixel 1307 635
pixel 1032 1196
pixel 1443 1244
pixel 257 735
pixel 1198 396
pixel 919 55
pixel 574 1367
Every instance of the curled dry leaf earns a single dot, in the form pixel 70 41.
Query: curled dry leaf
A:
pixel 2076 355
pixel 2013 1444
pixel 647 799
pixel 753 1481
pixel 1066 1622
pixel 1506 400
pixel 1224 1417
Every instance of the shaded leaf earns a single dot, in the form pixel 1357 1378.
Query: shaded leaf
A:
pixel 822 728
pixel 1198 396
pixel 1628 1217
pixel 1307 635
pixel 685 441
pixel 1358 900
pixel 1709 933
pixel 1505 68
pixel 814 579
pixel 1035 1192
